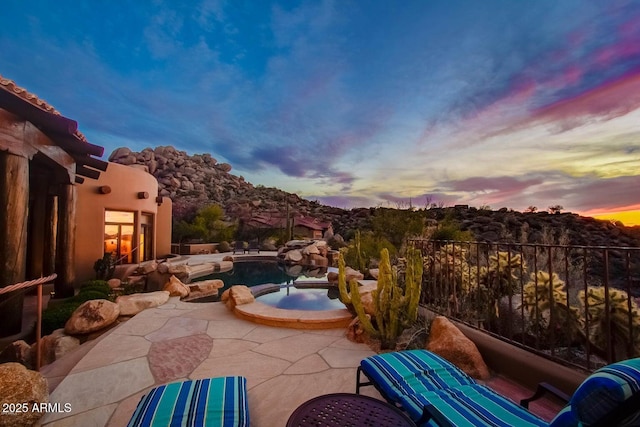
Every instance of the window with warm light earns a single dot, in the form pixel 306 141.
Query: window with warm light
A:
pixel 118 235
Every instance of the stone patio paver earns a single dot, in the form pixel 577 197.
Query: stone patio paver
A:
pixel 177 341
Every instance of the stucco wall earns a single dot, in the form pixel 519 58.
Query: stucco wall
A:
pixel 125 183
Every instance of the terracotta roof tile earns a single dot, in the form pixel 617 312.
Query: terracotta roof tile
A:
pixel 11 86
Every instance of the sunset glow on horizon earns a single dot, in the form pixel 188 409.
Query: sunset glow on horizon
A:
pixel 493 103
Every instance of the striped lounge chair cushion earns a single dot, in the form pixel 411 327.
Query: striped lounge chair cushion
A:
pixel 207 402
pixel 469 406
pixel 401 373
pixel 602 393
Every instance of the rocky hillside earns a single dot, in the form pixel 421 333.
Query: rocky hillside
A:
pixel 199 180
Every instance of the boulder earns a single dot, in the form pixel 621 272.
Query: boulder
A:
pixel 155 281
pixel 162 268
pixel 294 255
pixel 92 316
pixel 367 298
pixel 311 249
pixel 176 288
pixel 205 288
pixel 225 266
pixel 318 260
pixel 130 305
pixel 180 271
pixel 18 351
pixel 355 332
pixel 56 345
pixel 449 342
pixel 350 273
pixel 18 385
pixel 114 283
pixel 237 295
pixel 374 272
pixel 148 267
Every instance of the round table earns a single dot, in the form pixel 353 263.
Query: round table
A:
pixel 347 410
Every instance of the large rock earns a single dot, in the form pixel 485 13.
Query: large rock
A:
pixel 18 351
pixel 294 255
pixel 350 273
pixel 130 305
pixel 114 283
pixel 367 298
pixel 20 386
pixel 318 260
pixel 176 288
pixel 237 295
pixel 56 345
pixel 449 342
pixel 205 288
pixel 92 316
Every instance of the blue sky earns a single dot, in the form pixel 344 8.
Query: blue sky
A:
pixel 356 103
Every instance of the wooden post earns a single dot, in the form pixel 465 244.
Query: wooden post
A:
pixel 65 257
pixel 50 235
pixel 14 200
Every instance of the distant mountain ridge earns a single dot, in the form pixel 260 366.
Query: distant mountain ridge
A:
pixel 196 181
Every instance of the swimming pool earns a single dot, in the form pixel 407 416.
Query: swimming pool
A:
pixel 281 286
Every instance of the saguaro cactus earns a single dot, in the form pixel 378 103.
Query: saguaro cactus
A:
pixel 395 306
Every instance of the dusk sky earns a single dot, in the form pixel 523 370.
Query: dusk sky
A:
pixel 356 103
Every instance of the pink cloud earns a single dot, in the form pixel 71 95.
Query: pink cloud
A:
pixel 612 99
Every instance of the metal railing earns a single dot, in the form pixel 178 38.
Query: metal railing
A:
pixel 21 288
pixel 577 305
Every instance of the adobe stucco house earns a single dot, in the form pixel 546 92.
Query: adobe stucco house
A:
pixel 57 213
pixel 121 214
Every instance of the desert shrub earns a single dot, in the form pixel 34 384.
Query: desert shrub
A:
pixel 364 248
pixel 95 285
pixel 56 317
pixel 224 246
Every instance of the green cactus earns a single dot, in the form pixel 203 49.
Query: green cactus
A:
pixel 395 306
pixel 623 320
pixel 544 293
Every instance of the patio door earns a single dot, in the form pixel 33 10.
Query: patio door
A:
pixel 146 237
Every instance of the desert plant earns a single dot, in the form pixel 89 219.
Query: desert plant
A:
pixel 395 305
pixel 546 302
pixel 620 326
pixel 105 266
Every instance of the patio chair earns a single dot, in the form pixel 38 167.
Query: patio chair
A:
pixel 254 245
pixel 209 402
pixel 239 247
pixel 436 393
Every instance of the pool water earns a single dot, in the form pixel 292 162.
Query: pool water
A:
pixel 292 298
pixel 307 297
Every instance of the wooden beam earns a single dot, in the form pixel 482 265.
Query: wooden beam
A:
pixel 91 162
pixel 87 172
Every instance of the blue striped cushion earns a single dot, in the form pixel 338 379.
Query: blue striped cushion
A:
pixel 605 389
pixel 470 405
pixel 409 372
pixel 207 402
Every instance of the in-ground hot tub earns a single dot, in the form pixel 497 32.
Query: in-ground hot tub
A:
pixel 287 296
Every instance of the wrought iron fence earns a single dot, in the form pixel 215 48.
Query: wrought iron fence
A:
pixel 575 304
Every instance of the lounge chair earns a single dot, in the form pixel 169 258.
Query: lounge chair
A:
pixel 207 402
pixel 254 246
pixel 239 247
pixel 436 393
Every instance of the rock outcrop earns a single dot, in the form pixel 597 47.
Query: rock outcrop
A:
pixel 449 342
pixel 20 386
